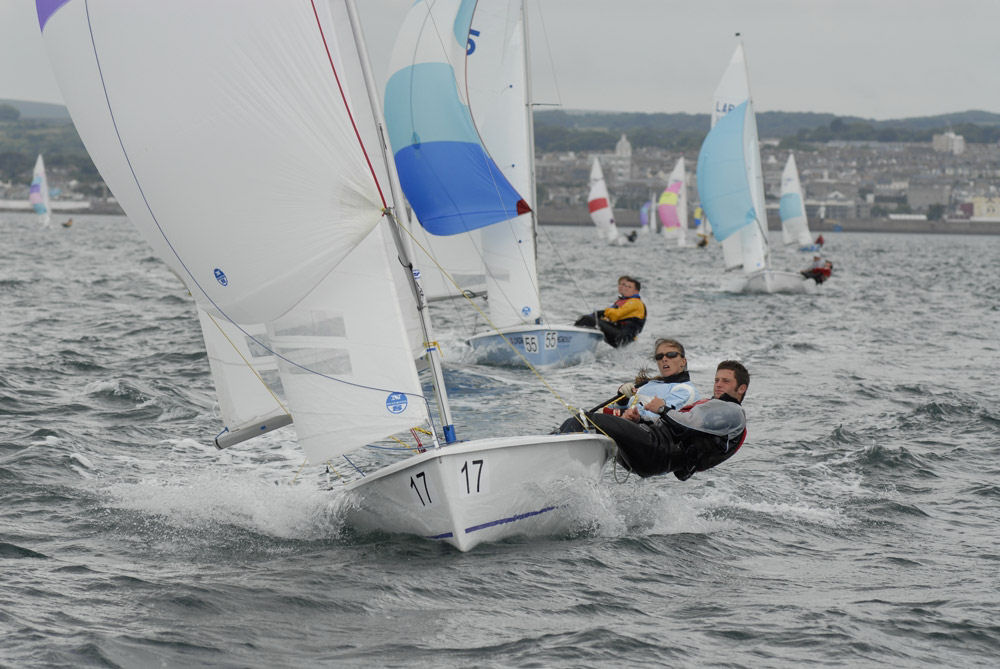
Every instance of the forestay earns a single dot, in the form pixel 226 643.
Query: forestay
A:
pixel 232 140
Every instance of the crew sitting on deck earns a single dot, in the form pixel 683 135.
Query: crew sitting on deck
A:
pixel 673 385
pixel 622 322
pixel 692 439
pixel 820 270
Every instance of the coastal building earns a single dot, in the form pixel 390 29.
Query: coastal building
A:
pixel 949 142
pixel 986 209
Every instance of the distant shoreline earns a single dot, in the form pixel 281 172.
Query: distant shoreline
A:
pixel 630 219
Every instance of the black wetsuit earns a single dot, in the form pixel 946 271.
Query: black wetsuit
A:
pixel 691 440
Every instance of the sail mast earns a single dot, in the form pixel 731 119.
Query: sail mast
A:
pixel 395 211
pixel 529 110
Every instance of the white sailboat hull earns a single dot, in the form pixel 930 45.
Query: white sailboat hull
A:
pixel 540 345
pixel 769 281
pixel 481 491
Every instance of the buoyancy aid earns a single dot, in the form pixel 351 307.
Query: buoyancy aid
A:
pixel 629 313
pixel 709 432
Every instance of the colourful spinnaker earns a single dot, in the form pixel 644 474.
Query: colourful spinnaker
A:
pixel 448 177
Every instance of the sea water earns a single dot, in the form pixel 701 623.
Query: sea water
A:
pixel 858 525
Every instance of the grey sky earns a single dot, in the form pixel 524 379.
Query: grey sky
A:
pixel 871 58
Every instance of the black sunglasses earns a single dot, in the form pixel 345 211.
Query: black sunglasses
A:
pixel 668 354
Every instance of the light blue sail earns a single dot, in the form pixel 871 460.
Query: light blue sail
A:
pixel 791 206
pixel 723 185
pixel 448 177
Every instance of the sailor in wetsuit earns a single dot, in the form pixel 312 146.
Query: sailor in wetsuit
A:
pixel 623 320
pixel 685 441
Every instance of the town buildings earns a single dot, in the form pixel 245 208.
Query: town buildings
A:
pixel 946 179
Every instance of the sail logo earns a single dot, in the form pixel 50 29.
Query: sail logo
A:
pixel 724 107
pixel 525 311
pixel 416 274
pixel 220 276
pixel 396 402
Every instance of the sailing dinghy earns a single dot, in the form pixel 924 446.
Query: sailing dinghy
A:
pixel 478 166
pixel 731 188
pixel 38 192
pixel 599 204
pixel 792 209
pixel 263 182
pixel 672 205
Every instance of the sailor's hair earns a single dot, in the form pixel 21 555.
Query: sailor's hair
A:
pixel 638 286
pixel 739 371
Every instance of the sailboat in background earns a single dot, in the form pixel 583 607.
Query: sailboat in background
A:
pixel 38 192
pixel 599 204
pixel 672 205
pixel 792 208
pixel 302 178
pixel 491 103
pixel 731 187
pixel 647 216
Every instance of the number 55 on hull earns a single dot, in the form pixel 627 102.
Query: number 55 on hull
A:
pixel 540 345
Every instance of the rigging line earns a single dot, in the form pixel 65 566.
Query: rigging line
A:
pixel 173 249
pixel 582 300
pixel 249 365
pixel 548 51
pixel 347 107
pixel 486 318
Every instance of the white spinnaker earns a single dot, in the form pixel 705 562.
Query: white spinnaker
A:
pixel 794 224
pixel 253 166
pixel 599 204
pixel 499 99
pixel 187 132
pixel 746 249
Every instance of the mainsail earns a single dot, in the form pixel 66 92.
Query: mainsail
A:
pixel 499 97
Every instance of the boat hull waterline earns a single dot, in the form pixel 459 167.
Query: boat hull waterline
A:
pixel 542 346
pixel 482 491
pixel 769 281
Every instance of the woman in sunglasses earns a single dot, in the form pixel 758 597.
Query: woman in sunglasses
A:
pixel 672 388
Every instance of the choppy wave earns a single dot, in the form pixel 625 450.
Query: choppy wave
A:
pixel 857 526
